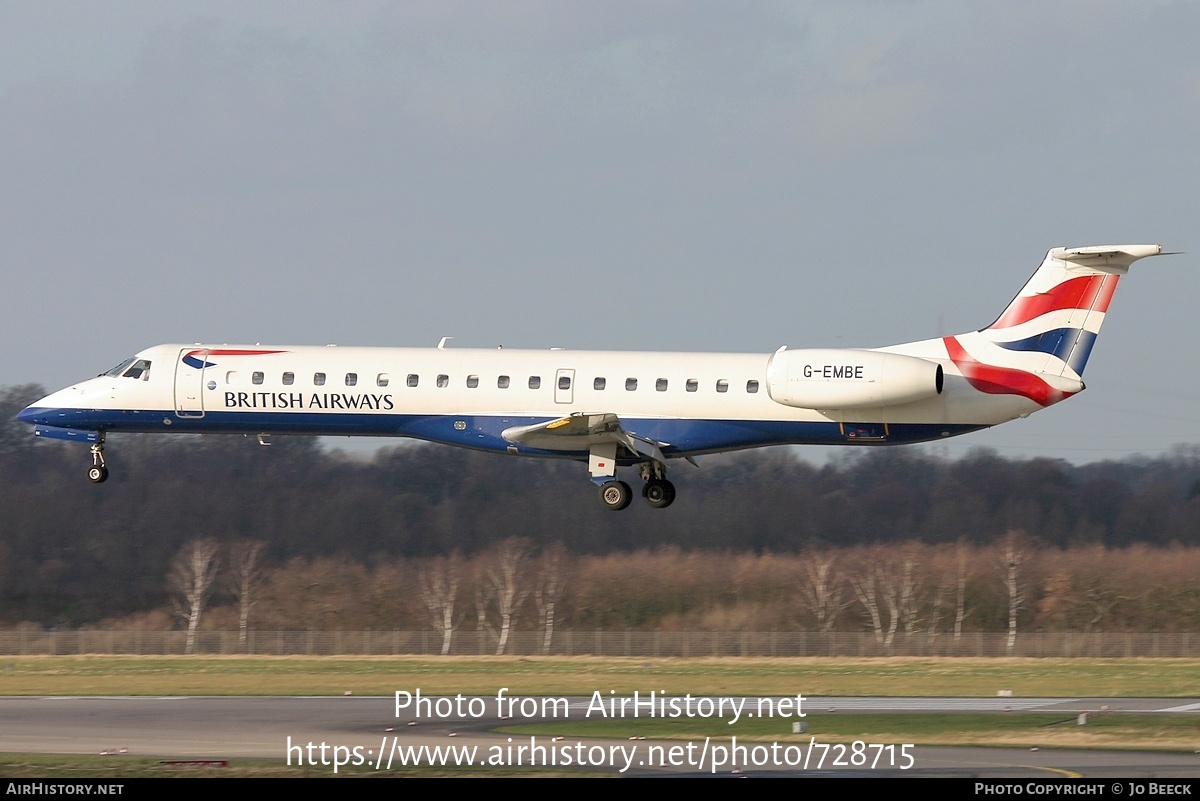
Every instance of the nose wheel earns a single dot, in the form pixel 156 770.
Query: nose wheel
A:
pixel 98 472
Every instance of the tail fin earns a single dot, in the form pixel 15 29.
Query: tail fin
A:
pixel 1039 346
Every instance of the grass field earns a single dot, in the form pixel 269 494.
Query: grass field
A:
pixel 1024 730
pixel 48 766
pixel 581 676
pixel 238 675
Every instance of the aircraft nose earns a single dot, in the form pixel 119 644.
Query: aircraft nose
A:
pixel 37 412
pixel 30 414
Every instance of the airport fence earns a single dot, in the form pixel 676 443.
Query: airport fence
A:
pixel 606 643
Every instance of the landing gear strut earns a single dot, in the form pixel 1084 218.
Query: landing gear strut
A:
pixel 98 472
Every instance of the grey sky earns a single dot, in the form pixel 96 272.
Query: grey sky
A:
pixel 627 175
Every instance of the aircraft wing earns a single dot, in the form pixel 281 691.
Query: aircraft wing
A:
pixel 580 432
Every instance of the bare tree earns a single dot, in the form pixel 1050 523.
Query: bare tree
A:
pixel 1100 602
pixel 822 588
pixel 480 593
pixel 245 575
pixel 1014 555
pixel 192 575
pixel 437 581
pixel 909 591
pixel 552 571
pixel 507 583
pixel 963 559
pixel 935 613
pixel 1098 575
pixel 890 591
pixel 875 584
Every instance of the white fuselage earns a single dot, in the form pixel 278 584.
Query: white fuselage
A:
pixel 615 408
pixel 688 402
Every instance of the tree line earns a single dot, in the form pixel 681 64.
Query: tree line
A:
pixel 904 590
pixel 72 553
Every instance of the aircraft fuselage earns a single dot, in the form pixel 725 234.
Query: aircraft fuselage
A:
pixel 614 408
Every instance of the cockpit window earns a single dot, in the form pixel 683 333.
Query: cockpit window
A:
pixel 120 368
pixel 140 369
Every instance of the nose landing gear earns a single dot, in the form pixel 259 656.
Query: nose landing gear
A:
pixel 98 472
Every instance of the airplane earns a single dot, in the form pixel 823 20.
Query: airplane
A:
pixel 616 409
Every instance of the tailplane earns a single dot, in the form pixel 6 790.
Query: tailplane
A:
pixel 1040 345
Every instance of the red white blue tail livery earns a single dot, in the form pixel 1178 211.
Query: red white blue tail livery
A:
pixel 615 409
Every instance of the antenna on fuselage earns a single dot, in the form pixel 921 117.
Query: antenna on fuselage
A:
pixel 442 344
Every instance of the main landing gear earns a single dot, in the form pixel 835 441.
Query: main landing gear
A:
pixel 659 493
pixel 98 472
pixel 615 495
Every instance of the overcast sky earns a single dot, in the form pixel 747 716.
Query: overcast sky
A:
pixel 612 175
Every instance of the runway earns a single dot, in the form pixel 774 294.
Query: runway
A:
pixel 372 729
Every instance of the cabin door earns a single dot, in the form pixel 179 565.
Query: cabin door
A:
pixel 564 386
pixel 189 382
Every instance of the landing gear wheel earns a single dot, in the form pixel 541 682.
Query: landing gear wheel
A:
pixel 615 495
pixel 659 493
pixel 98 472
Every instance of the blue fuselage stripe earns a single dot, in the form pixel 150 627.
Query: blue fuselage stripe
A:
pixel 680 437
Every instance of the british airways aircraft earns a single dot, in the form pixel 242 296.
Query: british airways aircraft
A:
pixel 617 409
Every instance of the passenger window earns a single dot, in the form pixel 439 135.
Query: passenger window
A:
pixel 630 384
pixel 413 378
pixel 502 382
pixel 443 381
pixel 752 386
pixel 231 377
pixel 535 381
pixel 318 379
pixel 598 383
pixel 472 381
pixel 692 385
pixel 289 379
pixel 382 380
pixel 256 377
pixel 722 385
pixel 660 385
pixel 564 382
pixel 351 379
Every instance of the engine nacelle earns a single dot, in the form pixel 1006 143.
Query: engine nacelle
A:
pixel 821 378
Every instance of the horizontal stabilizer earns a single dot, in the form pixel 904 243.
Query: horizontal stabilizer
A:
pixel 1112 259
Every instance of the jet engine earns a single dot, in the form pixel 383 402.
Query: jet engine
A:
pixel 818 378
